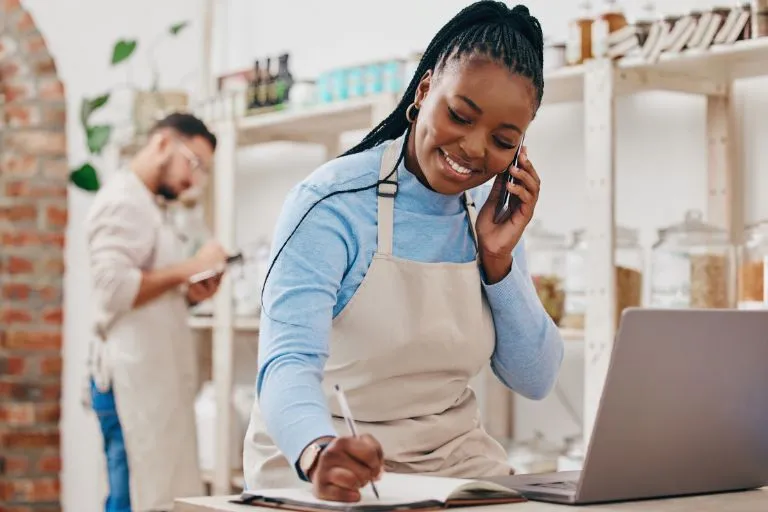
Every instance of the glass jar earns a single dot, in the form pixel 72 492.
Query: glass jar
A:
pixel 610 19
pixel 545 252
pixel 753 257
pixel 579 44
pixel 628 261
pixel 692 265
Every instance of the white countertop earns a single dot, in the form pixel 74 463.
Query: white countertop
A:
pixel 747 501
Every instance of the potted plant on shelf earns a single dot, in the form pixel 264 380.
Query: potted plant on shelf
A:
pixel 147 104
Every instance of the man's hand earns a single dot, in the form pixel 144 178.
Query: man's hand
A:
pixel 203 290
pixel 210 256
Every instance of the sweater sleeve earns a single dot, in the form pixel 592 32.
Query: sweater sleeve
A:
pixel 299 296
pixel 120 239
pixel 529 347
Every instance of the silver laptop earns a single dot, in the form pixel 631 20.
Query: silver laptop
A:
pixel 684 411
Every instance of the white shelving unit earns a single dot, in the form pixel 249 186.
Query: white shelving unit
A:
pixel 597 84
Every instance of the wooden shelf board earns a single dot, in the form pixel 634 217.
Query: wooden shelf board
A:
pixel 564 85
pixel 694 71
pixel 241 323
pixel 237 480
pixel 572 335
pixel 316 124
pixel 743 59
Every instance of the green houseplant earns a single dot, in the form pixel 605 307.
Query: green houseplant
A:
pixel 98 135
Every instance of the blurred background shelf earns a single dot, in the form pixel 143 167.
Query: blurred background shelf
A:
pixel 240 323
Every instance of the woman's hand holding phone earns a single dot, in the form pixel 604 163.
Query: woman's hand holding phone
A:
pixel 497 241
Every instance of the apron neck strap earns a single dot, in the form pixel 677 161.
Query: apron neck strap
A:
pixel 469 205
pixel 386 191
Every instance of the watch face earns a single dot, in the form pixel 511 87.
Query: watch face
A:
pixel 309 456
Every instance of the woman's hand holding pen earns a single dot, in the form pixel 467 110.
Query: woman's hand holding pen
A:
pixel 497 241
pixel 345 466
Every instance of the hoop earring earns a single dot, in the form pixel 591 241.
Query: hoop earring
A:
pixel 409 112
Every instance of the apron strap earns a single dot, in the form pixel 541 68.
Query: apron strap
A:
pixel 469 205
pixel 386 191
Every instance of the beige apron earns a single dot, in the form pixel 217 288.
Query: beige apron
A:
pixel 404 350
pixel 151 361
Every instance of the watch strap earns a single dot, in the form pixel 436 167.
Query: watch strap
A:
pixel 319 446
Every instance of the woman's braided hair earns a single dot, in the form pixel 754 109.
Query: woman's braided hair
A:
pixel 511 37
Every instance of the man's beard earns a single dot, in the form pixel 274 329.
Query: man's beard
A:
pixel 163 189
pixel 167 192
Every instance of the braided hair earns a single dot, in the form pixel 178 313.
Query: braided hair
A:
pixel 511 37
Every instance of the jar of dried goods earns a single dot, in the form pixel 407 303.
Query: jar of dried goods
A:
pixel 628 262
pixel 692 265
pixel 545 252
pixel 753 257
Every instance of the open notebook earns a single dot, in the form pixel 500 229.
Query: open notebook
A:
pixel 401 491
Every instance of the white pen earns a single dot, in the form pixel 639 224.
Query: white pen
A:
pixel 350 422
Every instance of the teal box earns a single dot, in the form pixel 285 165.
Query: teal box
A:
pixel 324 88
pixel 355 82
pixel 374 79
pixel 339 88
pixel 392 76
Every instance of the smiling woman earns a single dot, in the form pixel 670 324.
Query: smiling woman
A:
pixel 387 281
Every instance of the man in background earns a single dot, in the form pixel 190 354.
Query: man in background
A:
pixel 143 364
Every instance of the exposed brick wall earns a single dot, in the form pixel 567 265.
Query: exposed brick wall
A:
pixel 33 218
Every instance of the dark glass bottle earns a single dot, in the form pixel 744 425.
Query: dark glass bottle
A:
pixel 284 79
pixel 266 84
pixel 254 101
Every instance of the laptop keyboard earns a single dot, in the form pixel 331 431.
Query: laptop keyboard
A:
pixel 568 485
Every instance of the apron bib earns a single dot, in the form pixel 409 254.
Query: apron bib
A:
pixel 405 349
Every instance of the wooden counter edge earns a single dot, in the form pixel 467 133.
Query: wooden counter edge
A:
pixel 741 501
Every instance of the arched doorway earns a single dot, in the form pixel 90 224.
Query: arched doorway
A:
pixel 33 218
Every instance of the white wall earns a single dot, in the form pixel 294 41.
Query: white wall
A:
pixel 660 154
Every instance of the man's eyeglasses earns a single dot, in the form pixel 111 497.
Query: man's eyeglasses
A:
pixel 195 162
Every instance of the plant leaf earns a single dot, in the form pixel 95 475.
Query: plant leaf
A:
pixel 123 49
pixel 175 29
pixel 98 137
pixel 85 178
pixel 89 106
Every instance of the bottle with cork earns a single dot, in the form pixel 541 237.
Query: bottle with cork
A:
pixel 255 87
pixel 579 44
pixel 611 18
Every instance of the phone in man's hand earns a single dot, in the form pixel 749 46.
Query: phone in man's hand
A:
pixel 208 274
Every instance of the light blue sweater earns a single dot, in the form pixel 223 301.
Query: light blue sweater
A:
pixel 325 261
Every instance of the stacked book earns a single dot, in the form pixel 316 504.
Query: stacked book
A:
pixel 695 31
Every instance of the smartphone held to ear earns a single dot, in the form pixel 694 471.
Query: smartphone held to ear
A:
pixel 508 202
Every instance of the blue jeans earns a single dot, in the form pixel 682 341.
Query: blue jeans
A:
pixel 119 497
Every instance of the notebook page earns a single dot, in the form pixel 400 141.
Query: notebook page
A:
pixel 394 489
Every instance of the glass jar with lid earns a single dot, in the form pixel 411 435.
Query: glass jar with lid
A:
pixel 753 257
pixel 628 263
pixel 692 265
pixel 545 253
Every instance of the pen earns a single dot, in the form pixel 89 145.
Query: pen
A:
pixel 350 422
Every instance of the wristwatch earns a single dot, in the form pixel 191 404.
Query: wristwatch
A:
pixel 309 457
